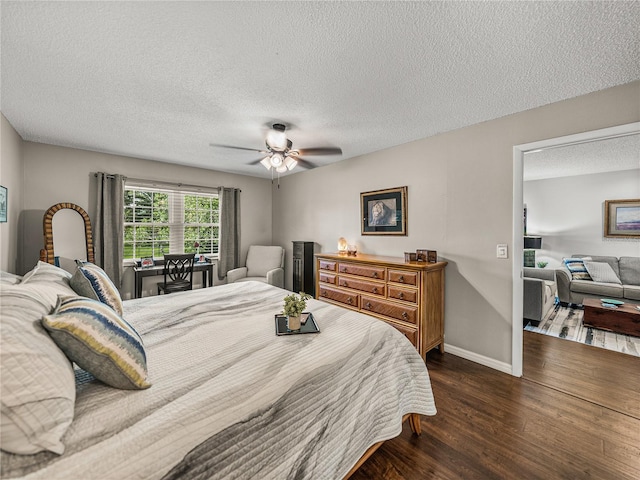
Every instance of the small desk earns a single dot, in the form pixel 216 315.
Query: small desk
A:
pixel 140 272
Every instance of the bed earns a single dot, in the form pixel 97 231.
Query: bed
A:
pixel 230 399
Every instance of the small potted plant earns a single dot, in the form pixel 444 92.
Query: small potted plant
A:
pixel 294 305
pixel 542 264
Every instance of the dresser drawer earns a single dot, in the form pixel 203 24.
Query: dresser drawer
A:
pixel 406 294
pixel 404 277
pixel 363 286
pixel 410 333
pixel 377 273
pixel 349 299
pixel 388 309
pixel 325 265
pixel 327 278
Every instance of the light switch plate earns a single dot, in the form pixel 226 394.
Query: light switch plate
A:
pixel 502 251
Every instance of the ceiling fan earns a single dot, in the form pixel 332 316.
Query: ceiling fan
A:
pixel 280 155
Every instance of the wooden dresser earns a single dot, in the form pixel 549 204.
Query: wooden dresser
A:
pixel 407 295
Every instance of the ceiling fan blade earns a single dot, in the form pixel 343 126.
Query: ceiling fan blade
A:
pixel 320 151
pixel 255 162
pixel 236 148
pixel 305 163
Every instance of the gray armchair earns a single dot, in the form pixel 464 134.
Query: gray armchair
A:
pixel 264 264
pixel 539 293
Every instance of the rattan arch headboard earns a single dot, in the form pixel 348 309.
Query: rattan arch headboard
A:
pixel 47 254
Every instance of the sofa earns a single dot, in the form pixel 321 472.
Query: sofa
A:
pixel 590 281
pixel 539 293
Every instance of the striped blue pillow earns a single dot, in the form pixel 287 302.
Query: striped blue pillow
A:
pixel 100 341
pixel 577 268
pixel 91 281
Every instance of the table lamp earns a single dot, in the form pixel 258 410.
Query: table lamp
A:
pixel 531 244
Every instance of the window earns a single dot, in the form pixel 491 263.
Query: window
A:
pixel 159 221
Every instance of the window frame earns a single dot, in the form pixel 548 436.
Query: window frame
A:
pixel 177 226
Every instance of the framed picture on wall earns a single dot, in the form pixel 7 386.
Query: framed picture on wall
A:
pixel 622 218
pixel 3 204
pixel 384 212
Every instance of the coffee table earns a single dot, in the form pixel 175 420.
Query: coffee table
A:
pixel 625 319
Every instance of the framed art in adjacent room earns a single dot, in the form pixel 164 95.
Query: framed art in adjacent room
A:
pixel 622 218
pixel 3 204
pixel 384 212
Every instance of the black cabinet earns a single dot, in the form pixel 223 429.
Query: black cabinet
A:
pixel 303 280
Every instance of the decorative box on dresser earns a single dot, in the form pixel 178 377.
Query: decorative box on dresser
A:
pixel 407 295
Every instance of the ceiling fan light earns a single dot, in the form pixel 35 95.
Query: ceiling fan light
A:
pixel 277 140
pixel 290 163
pixel 276 160
pixel 281 169
pixel 266 162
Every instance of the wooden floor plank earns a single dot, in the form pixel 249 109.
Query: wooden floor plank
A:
pixel 491 425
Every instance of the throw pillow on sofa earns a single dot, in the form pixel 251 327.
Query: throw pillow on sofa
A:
pixel 577 268
pixel 601 272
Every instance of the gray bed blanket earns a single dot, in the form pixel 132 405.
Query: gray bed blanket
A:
pixel 230 399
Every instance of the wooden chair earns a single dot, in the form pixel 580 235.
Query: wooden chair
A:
pixel 178 273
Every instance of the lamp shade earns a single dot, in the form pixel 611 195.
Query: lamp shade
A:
pixel 534 243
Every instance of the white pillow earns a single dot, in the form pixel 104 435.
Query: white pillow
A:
pixel 38 384
pixel 601 272
pixel 9 278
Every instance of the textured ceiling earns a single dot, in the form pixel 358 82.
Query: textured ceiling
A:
pixel 163 80
pixel 605 155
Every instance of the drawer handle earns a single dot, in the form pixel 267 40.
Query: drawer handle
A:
pixel 323 293
pixel 405 315
pixel 345 284
pixel 401 279
pixel 401 296
pixel 368 305
pixel 350 301
pixel 343 269
pixel 375 274
pixel 375 290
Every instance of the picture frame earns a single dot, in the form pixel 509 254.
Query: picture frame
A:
pixel 146 262
pixel 4 200
pixel 384 212
pixel 622 218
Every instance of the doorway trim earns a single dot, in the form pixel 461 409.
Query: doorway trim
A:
pixel 518 223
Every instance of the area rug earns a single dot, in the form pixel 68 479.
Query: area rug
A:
pixel 564 322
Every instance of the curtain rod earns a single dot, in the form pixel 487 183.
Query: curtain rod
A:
pixel 161 182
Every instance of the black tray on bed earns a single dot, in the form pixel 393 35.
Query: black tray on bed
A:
pixel 310 326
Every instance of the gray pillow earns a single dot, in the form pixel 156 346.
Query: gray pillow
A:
pixel 100 341
pixel 601 272
pixel 91 281
pixel 38 384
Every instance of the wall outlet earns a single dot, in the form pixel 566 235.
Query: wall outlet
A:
pixel 502 251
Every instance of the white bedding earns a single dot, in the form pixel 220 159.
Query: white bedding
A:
pixel 230 399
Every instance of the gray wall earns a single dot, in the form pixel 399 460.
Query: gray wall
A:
pixel 11 172
pixel 58 174
pixel 460 203
pixel 460 200
pixel 568 212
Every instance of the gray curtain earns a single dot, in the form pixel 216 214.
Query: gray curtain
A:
pixel 109 225
pixel 229 250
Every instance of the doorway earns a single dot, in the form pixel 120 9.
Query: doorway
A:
pixel 518 223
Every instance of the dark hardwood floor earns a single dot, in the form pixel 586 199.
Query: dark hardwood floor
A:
pixel 600 376
pixel 491 425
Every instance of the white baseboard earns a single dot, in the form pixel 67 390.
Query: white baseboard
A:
pixel 477 358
